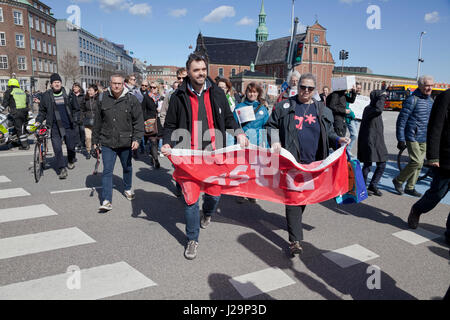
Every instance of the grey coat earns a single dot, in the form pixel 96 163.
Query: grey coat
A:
pixel 371 145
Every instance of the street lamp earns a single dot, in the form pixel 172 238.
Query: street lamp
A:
pixel 420 54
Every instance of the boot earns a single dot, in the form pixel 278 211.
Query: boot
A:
pixel 24 143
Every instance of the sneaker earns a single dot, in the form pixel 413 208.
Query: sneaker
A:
pixel 191 250
pixel 106 206
pixel 129 194
pixel 413 193
pixel 205 221
pixel 413 219
pixel 374 191
pixel 63 174
pixel 398 186
pixel 71 166
pixel 295 248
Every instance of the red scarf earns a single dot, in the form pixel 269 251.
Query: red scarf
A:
pixel 194 108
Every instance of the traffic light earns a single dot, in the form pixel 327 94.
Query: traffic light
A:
pixel 298 54
pixel 346 55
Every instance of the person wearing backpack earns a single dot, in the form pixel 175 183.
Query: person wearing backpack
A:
pixel 412 125
pixel 118 128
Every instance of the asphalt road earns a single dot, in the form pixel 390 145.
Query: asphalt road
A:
pixel 136 251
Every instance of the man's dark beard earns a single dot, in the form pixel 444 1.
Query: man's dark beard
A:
pixel 57 92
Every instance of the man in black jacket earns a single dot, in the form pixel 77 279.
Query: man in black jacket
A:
pixel 199 107
pixel 62 115
pixel 438 155
pixel 337 102
pixel 119 127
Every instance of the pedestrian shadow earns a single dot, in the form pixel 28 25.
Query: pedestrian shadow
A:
pixel 441 252
pixel 222 289
pixel 253 216
pixel 276 258
pixel 160 208
pixel 366 211
pixel 95 181
pixel 160 177
pixel 440 231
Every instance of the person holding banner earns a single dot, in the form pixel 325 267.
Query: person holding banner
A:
pixel 197 118
pixel 304 127
pixel 252 115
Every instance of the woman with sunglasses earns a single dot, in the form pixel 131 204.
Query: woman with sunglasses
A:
pixel 88 110
pixel 150 111
pixel 254 130
pixel 304 127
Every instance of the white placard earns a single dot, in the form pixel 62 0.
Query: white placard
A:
pixel 293 92
pixel 358 107
pixel 344 83
pixel 273 90
pixel 246 114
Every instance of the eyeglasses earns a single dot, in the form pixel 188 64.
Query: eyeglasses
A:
pixel 133 79
pixel 153 87
pixel 179 78
pixel 309 88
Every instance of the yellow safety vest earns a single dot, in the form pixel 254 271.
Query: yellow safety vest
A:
pixel 20 97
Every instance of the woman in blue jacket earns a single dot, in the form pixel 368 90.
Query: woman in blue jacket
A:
pixel 254 130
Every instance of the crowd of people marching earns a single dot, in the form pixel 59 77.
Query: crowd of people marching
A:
pixel 128 119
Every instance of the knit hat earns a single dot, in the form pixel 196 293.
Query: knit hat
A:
pixel 55 77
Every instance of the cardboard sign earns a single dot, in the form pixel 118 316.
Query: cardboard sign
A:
pixel 344 83
pixel 246 114
pixel 358 107
pixel 293 92
pixel 272 91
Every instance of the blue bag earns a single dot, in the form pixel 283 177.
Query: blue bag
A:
pixel 357 187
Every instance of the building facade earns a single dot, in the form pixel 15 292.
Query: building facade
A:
pixel 28 46
pixel 165 75
pixel 97 58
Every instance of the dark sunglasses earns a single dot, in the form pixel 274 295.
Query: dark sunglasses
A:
pixel 305 87
pixel 179 78
pixel 153 87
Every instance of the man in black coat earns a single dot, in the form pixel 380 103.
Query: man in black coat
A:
pixel 438 155
pixel 197 104
pixel 62 115
pixel 337 102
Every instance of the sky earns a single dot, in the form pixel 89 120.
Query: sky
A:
pixel 380 34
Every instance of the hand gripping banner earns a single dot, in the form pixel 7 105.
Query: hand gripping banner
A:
pixel 256 173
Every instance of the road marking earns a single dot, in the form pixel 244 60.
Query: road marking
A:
pixel 77 190
pixel 260 282
pixel 4 179
pixel 416 237
pixel 95 283
pixel 13 193
pixel 41 242
pixel 24 213
pixel 349 256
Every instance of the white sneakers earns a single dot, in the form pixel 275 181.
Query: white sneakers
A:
pixel 129 194
pixel 106 206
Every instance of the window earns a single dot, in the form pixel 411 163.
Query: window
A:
pixel 20 43
pixel 30 20
pixel 18 18
pixel 40 65
pixel 53 31
pixel 45 66
pixel 55 68
pixel 81 55
pixel 43 26
pixel 81 44
pixel 49 31
pixel 50 66
pixel 54 50
pixel 315 50
pixel 316 38
pixel 37 24
pixel 50 49
pixel 44 46
pixel 233 72
pixel 38 45
pixel 34 64
pixel 1 14
pixel 2 39
pixel 3 62
pixel 220 72
pixel 21 63
pixel 33 46
pixel 84 44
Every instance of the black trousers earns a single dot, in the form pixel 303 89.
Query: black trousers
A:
pixel 154 148
pixel 381 166
pixel 340 126
pixel 57 140
pixel 294 222
pixel 20 118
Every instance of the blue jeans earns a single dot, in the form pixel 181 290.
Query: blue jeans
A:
pixel 438 190
pixel 353 128
pixel 192 215
pixel 109 160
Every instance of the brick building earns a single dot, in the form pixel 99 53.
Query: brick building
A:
pixel 163 74
pixel 27 43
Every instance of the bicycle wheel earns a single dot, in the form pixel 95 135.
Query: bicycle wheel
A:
pixel 37 162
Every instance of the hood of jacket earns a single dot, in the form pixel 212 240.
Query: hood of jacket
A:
pixel 124 92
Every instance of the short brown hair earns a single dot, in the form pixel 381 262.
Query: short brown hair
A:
pixel 196 56
pixel 180 71
pixel 254 86
pixel 227 83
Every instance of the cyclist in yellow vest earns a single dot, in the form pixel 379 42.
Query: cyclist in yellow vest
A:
pixel 16 99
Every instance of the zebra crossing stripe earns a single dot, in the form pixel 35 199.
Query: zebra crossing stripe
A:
pixel 4 179
pixel 88 284
pixel 13 193
pixel 24 213
pixel 41 242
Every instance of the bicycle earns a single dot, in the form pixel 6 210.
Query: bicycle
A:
pixel 40 152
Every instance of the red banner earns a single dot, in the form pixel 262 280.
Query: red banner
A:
pixel 258 174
